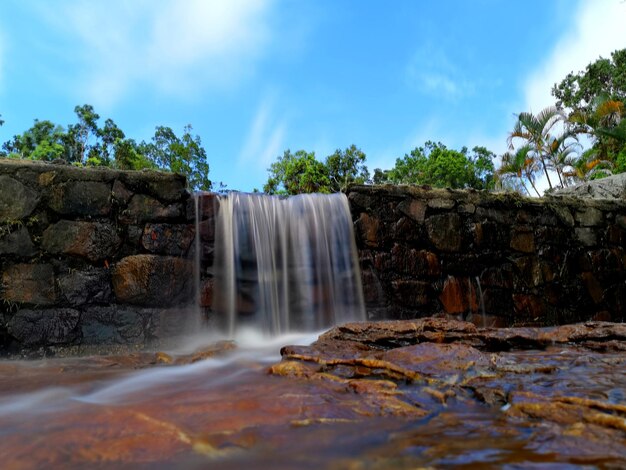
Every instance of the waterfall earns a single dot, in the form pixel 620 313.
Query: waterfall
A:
pixel 286 264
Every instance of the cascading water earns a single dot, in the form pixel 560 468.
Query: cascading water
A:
pixel 286 264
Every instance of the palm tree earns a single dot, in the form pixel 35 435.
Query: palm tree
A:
pixel 520 164
pixel 535 131
pixel 564 153
pixel 605 124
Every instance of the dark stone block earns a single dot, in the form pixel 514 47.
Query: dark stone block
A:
pixel 45 327
pixel 367 229
pixel 16 200
pixel 120 193
pixel 444 231
pixel 143 209
pixel 167 239
pixel 94 241
pixel 86 287
pixel 29 284
pixel 16 241
pixel 414 209
pixel 135 282
pixel 411 293
pixel 418 263
pixel 81 198
pixel 112 325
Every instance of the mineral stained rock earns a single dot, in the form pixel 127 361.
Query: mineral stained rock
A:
pixel 427 393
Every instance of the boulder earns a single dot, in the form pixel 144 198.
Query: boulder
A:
pixel 16 241
pixel 29 284
pixel 134 281
pixel 94 241
pixel 45 327
pixel 83 198
pixel 86 287
pixel 16 200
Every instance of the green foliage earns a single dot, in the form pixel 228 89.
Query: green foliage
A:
pixel 184 155
pixel 436 165
pixel 620 162
pixel 78 136
pixel 380 176
pixel 43 141
pixel 297 173
pixel 84 143
pixel 346 167
pixel 602 77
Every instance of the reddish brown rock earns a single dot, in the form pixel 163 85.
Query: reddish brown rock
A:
pixel 523 241
pixel 167 239
pixel 207 204
pixel 29 284
pixel 367 228
pixel 206 293
pixel 458 295
pixel 134 282
pixel 411 261
pixel 529 308
pixel 414 209
pixel 94 241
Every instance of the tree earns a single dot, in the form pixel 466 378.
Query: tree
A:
pixel 520 166
pixel 77 138
pixel 184 155
pixel 605 125
pixel 85 143
pixel 537 131
pixel 436 165
pixel 346 167
pixel 43 141
pixel 604 77
pixel 380 176
pixel 1 120
pixel 297 173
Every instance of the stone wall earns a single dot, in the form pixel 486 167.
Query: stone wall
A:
pixel 92 256
pixel 462 253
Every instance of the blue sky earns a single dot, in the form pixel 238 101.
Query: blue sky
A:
pixel 255 77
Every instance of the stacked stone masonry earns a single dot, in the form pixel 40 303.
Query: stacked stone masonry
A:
pixel 497 259
pixel 92 257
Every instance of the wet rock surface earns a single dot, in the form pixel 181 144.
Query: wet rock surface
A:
pixel 408 394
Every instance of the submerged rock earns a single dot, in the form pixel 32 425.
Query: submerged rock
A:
pixel 427 393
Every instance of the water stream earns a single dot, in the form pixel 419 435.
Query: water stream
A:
pixel 286 264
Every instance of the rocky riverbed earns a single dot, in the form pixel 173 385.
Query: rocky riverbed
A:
pixel 400 394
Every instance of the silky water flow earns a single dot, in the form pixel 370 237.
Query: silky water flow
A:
pixel 286 264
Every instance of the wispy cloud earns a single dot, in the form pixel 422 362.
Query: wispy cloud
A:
pixel 1 59
pixel 597 30
pixel 431 71
pixel 265 138
pixel 170 45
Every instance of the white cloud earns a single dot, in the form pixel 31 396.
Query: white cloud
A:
pixel 174 46
pixel 597 30
pixel 432 72
pixel 1 59
pixel 265 138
